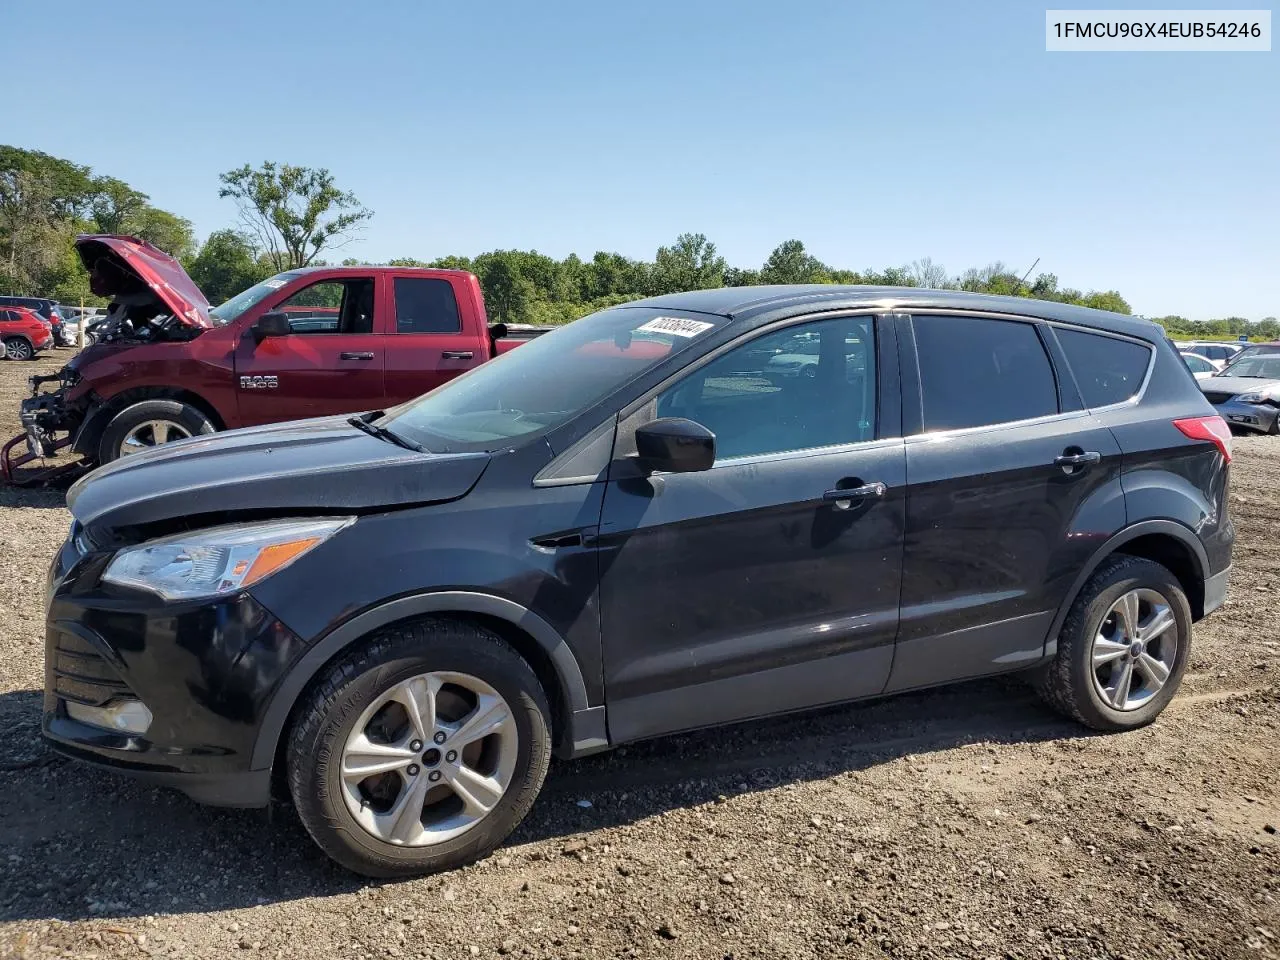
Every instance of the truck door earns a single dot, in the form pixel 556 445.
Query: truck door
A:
pixel 331 362
pixel 428 343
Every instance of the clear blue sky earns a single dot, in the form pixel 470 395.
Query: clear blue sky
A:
pixel 875 132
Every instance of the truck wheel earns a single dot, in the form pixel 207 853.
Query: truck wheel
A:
pixel 16 348
pixel 420 750
pixel 1123 647
pixel 148 424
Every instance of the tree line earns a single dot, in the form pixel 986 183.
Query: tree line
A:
pixel 289 216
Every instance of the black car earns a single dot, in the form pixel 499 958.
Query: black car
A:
pixel 630 527
pixel 47 309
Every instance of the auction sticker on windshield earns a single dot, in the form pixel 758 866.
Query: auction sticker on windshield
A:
pixel 676 326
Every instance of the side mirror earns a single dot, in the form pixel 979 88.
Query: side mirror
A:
pixel 675 445
pixel 272 324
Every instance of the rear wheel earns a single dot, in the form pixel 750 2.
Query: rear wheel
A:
pixel 148 424
pixel 17 348
pixel 1123 647
pixel 419 751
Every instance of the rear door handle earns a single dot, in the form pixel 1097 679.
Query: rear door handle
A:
pixel 842 499
pixel 357 355
pixel 457 354
pixel 1083 459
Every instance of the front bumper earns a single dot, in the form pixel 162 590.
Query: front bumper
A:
pixel 1251 416
pixel 205 670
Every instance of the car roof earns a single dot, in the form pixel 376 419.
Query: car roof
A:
pixel 780 301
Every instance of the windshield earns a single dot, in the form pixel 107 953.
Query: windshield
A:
pixel 1263 366
pixel 546 382
pixel 232 309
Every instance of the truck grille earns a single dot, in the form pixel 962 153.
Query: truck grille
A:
pixel 81 673
pixel 1216 398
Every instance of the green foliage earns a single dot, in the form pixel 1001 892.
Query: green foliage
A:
pixel 789 263
pixel 1228 328
pixel 292 212
pixel 226 265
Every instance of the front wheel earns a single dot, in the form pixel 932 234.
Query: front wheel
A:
pixel 1123 647
pixel 149 424
pixel 421 750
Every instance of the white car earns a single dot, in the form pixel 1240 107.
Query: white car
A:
pixel 1223 350
pixel 1202 367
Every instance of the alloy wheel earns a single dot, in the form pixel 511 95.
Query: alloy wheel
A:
pixel 152 433
pixel 1135 649
pixel 16 349
pixel 429 759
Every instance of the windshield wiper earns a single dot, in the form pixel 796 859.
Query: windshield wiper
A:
pixel 382 433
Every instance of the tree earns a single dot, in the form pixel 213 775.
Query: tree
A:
pixel 932 276
pixel 789 263
pixel 293 212
pixel 690 264
pixel 115 206
pixel 168 231
pixel 225 265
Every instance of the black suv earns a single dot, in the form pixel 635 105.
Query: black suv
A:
pixel 47 309
pixel 690 510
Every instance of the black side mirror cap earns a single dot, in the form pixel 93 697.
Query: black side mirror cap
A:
pixel 675 445
pixel 272 324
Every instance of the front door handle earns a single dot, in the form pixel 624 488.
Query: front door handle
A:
pixel 842 499
pixel 357 355
pixel 457 354
pixel 1083 459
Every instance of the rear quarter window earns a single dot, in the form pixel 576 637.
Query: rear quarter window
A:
pixel 1107 370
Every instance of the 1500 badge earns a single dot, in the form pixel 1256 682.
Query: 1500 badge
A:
pixel 269 382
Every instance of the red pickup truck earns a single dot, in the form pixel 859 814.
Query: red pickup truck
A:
pixel 305 343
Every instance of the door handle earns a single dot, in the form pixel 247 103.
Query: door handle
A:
pixel 457 354
pixel 356 355
pixel 1083 459
pixel 842 499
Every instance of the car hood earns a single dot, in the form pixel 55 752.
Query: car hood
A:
pixel 324 465
pixel 159 271
pixel 1235 385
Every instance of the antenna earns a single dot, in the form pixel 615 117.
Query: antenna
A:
pixel 1025 275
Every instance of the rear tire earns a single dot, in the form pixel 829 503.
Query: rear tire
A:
pixel 1123 647
pixel 17 348
pixel 352 817
pixel 148 424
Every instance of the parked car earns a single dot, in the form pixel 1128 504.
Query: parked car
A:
pixel 1247 392
pixel 1212 349
pixel 623 530
pixel 23 333
pixel 46 309
pixel 1201 366
pixel 164 365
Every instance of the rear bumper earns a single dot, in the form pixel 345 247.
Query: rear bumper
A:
pixel 1215 591
pixel 1251 416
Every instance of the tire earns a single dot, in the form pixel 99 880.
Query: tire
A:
pixel 176 420
pixel 334 711
pixel 18 348
pixel 1075 687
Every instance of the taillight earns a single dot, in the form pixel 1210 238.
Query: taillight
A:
pixel 1213 429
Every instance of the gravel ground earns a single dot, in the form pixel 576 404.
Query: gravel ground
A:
pixel 964 822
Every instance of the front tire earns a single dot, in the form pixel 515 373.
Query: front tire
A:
pixel 1123 647
pixel 420 750
pixel 150 423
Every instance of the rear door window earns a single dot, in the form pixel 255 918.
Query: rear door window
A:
pixel 426 305
pixel 976 372
pixel 1107 370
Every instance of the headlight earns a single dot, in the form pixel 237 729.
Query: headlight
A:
pixel 220 560
pixel 1260 397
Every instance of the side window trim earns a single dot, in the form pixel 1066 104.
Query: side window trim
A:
pixel 913 393
pixel 643 409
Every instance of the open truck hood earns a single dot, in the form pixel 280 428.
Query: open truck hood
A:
pixel 155 268
pixel 325 465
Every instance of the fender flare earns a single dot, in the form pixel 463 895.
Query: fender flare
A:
pixel 586 731
pixel 1171 528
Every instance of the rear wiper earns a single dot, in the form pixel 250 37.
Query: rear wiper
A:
pixel 382 433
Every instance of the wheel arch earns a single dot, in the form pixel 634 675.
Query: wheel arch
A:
pixel 19 336
pixel 102 413
pixel 577 726
pixel 1166 542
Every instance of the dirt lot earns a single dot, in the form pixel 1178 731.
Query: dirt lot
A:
pixel 966 822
